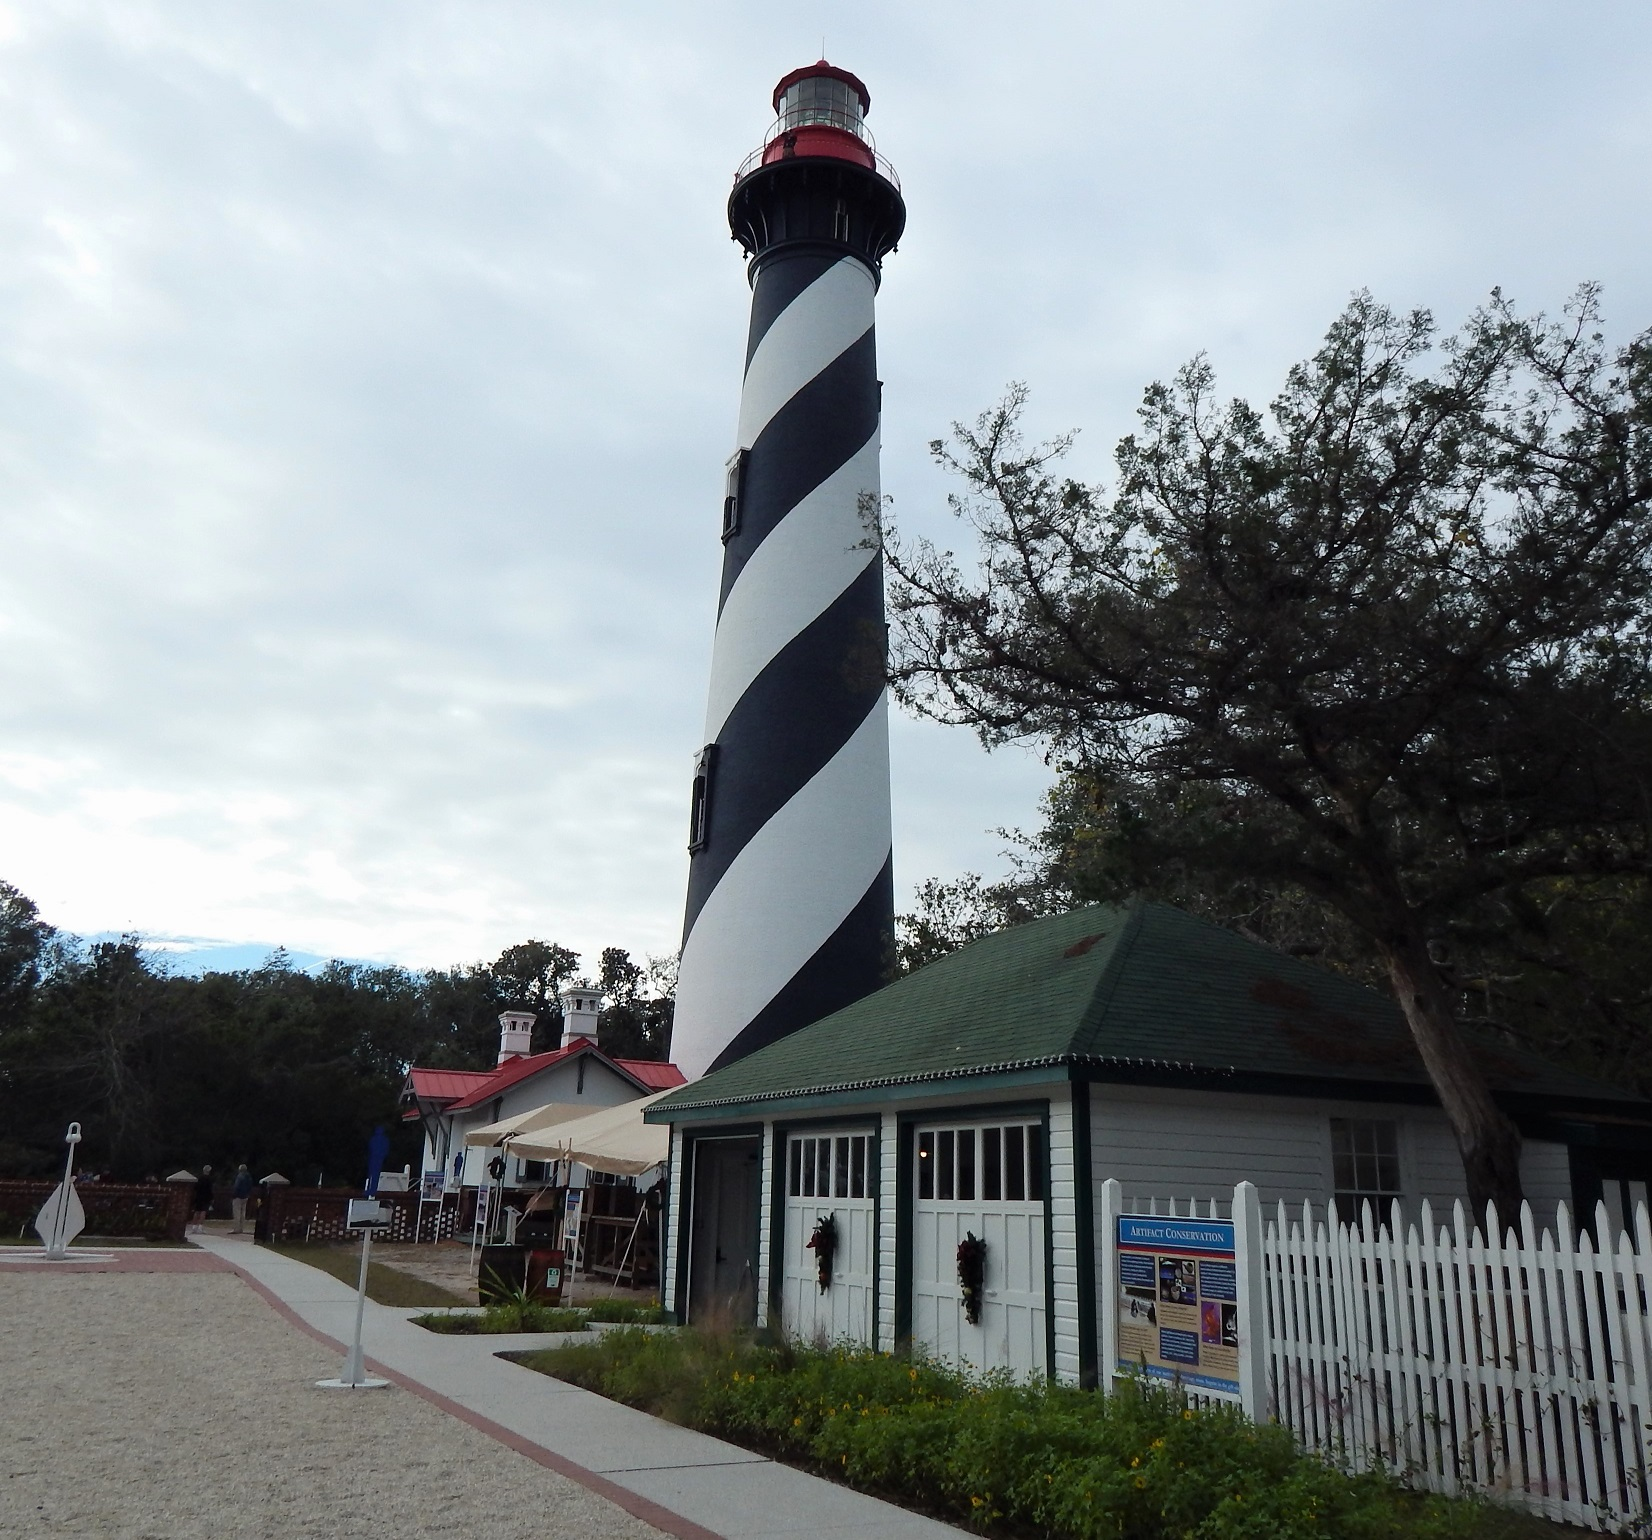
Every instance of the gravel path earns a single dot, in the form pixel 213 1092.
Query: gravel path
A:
pixel 181 1407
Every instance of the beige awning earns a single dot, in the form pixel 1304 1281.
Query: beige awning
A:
pixel 532 1121
pixel 615 1140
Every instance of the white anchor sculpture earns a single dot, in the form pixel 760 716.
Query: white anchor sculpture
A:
pixel 62 1218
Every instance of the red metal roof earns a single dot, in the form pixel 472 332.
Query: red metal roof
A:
pixel 822 69
pixel 653 1074
pixel 445 1085
pixel 648 1073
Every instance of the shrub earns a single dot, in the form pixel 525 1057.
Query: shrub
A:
pixel 502 1319
pixel 624 1310
pixel 1005 1457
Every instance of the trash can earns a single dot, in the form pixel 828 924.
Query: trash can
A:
pixel 502 1273
pixel 545 1274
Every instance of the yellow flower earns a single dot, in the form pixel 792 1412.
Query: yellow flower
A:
pixel 797 1422
pixel 1141 1481
pixel 975 1502
pixel 1135 1460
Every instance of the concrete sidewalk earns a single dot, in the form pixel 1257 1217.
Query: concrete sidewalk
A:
pixel 710 1488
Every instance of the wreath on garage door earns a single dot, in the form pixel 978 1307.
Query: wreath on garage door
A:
pixel 823 1243
pixel 972 1274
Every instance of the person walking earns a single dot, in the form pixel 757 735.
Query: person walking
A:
pixel 203 1196
pixel 238 1195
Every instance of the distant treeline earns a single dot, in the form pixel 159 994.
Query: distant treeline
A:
pixel 286 1070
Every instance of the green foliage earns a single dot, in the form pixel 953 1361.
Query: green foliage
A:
pixel 286 1070
pixel 1387 646
pixel 504 1319
pixel 636 1022
pixel 1007 1458
pixel 385 1285
pixel 623 1310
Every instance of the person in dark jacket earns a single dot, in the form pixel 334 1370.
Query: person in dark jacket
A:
pixel 238 1195
pixel 203 1196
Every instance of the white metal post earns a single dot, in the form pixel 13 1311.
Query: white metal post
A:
pixel 1107 1274
pixel 1253 1302
pixel 354 1376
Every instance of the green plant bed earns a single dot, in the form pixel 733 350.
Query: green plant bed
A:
pixel 499 1320
pixel 385 1285
pixel 625 1311
pixel 1009 1459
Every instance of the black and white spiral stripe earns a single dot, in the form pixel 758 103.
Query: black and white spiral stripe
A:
pixel 791 897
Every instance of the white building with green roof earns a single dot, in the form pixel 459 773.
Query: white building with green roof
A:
pixel 991 1094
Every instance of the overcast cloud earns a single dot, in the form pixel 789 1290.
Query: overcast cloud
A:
pixel 368 370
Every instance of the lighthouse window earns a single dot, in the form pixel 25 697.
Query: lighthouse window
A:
pixel 699 802
pixel 733 487
pixel 840 221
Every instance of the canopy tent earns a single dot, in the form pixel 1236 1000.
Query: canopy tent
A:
pixel 615 1140
pixel 533 1120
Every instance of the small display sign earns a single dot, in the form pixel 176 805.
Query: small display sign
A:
pixel 1178 1294
pixel 431 1185
pixel 367 1214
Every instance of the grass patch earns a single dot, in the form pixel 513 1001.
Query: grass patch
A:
pixel 498 1320
pixel 1008 1459
pixel 385 1285
pixel 625 1311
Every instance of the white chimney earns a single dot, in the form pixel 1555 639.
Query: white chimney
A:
pixel 515 1034
pixel 580 1008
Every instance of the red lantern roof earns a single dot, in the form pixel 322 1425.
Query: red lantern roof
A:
pixel 819 70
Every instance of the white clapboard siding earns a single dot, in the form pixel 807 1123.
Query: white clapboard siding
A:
pixel 1144 1137
pixel 673 1221
pixel 1170 1142
pixel 1517 1364
pixel 767 1197
pixel 1064 1257
pixel 888 1170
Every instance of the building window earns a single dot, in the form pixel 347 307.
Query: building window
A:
pixel 530 1170
pixel 829 1167
pixel 1004 1164
pixel 1365 1167
pixel 699 802
pixel 734 487
pixel 840 221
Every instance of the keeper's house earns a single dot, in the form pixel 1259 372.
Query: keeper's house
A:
pixel 995 1090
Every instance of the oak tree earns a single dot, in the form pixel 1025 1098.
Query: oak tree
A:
pixel 1386 645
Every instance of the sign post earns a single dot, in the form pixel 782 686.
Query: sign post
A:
pixel 366 1215
pixel 432 1190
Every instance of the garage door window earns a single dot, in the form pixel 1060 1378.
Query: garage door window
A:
pixel 1003 1164
pixel 829 1166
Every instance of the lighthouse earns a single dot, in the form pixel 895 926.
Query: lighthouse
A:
pixel 790 911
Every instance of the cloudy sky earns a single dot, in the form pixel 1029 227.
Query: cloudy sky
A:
pixel 367 371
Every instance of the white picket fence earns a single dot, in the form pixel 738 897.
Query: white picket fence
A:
pixel 1520 1365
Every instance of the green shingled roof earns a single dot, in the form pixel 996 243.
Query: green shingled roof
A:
pixel 1138 987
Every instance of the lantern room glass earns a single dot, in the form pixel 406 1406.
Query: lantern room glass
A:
pixel 820 99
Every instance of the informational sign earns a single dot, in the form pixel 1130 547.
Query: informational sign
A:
pixel 431 1185
pixel 1178 1294
pixel 366 1214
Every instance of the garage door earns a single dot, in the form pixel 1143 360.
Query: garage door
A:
pixel 985 1179
pixel 829 1174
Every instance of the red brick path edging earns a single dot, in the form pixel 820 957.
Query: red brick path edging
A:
pixel 643 1508
pixel 135 1259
